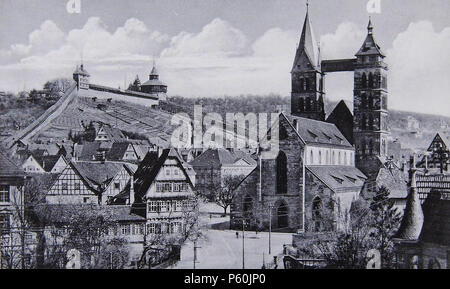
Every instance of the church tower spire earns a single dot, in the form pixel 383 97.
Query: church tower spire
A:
pixel 307 79
pixel 371 115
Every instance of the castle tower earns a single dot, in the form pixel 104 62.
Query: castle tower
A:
pixel 307 79
pixel 81 77
pixel 370 122
pixel 153 85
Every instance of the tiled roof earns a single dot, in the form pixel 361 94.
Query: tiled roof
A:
pixel 117 151
pixel 149 168
pixel 97 173
pixel 151 82
pixel 217 157
pixel 307 44
pixel 436 226
pixel 48 162
pixel 370 46
pixel 318 132
pixel 114 213
pixel 8 168
pixel 87 150
pixel 394 180
pixel 339 178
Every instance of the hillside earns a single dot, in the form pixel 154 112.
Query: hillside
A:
pixel 413 130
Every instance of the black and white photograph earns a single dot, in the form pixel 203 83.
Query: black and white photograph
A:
pixel 225 134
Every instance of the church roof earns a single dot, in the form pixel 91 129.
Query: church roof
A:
pixel 370 46
pixel 339 178
pixel 318 132
pixel 308 44
pixel 216 158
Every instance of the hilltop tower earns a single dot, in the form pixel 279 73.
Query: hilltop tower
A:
pixel 153 85
pixel 307 95
pixel 81 77
pixel 370 122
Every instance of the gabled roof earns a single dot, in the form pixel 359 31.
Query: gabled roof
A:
pixel 339 178
pixel 113 133
pixel 8 168
pixel 48 162
pixel 117 151
pixel 150 167
pixel 436 225
pixel 370 46
pixel 318 132
pixel 85 151
pixel 394 180
pixel 308 44
pixel 218 157
pixel 440 137
pixel 97 173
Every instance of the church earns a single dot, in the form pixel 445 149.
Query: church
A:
pixel 323 164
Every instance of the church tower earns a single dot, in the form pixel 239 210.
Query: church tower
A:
pixel 81 77
pixel 307 79
pixel 370 122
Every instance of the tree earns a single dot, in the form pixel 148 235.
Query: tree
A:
pixel 225 192
pixel 373 223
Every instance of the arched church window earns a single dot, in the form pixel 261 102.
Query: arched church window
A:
pixel 281 166
pixel 307 84
pixel 363 122
pixel 327 158
pixel 363 147
pixel 370 122
pixel 363 100
pixel 311 157
pixel 248 206
pixel 320 157
pixel 371 101
pixel 364 80
pixel 301 104
pixel 308 104
pixel 371 80
pixel 302 83
pixel 340 158
pixel 370 147
pixel 317 214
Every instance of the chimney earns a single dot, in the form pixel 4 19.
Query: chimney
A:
pixel 131 200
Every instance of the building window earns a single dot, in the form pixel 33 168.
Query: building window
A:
pixel 364 81
pixel 117 186
pixel 77 186
pixel 371 122
pixel 4 193
pixel 320 157
pixel 125 229
pixel 4 223
pixel 167 172
pixel 85 200
pixel 370 80
pixel 281 167
pixel 317 213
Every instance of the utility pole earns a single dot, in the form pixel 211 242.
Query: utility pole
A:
pixel 270 228
pixel 243 243
pixel 195 253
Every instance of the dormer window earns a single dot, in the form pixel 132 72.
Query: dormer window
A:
pixel 339 180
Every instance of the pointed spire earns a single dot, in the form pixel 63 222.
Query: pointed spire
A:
pixel 412 221
pixel 370 26
pixel 308 42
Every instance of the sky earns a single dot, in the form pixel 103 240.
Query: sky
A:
pixel 225 47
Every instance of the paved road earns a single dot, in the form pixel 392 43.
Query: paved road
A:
pixel 220 249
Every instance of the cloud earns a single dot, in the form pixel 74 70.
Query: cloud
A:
pixel 419 75
pixel 344 42
pixel 52 53
pixel 217 39
pixel 221 60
